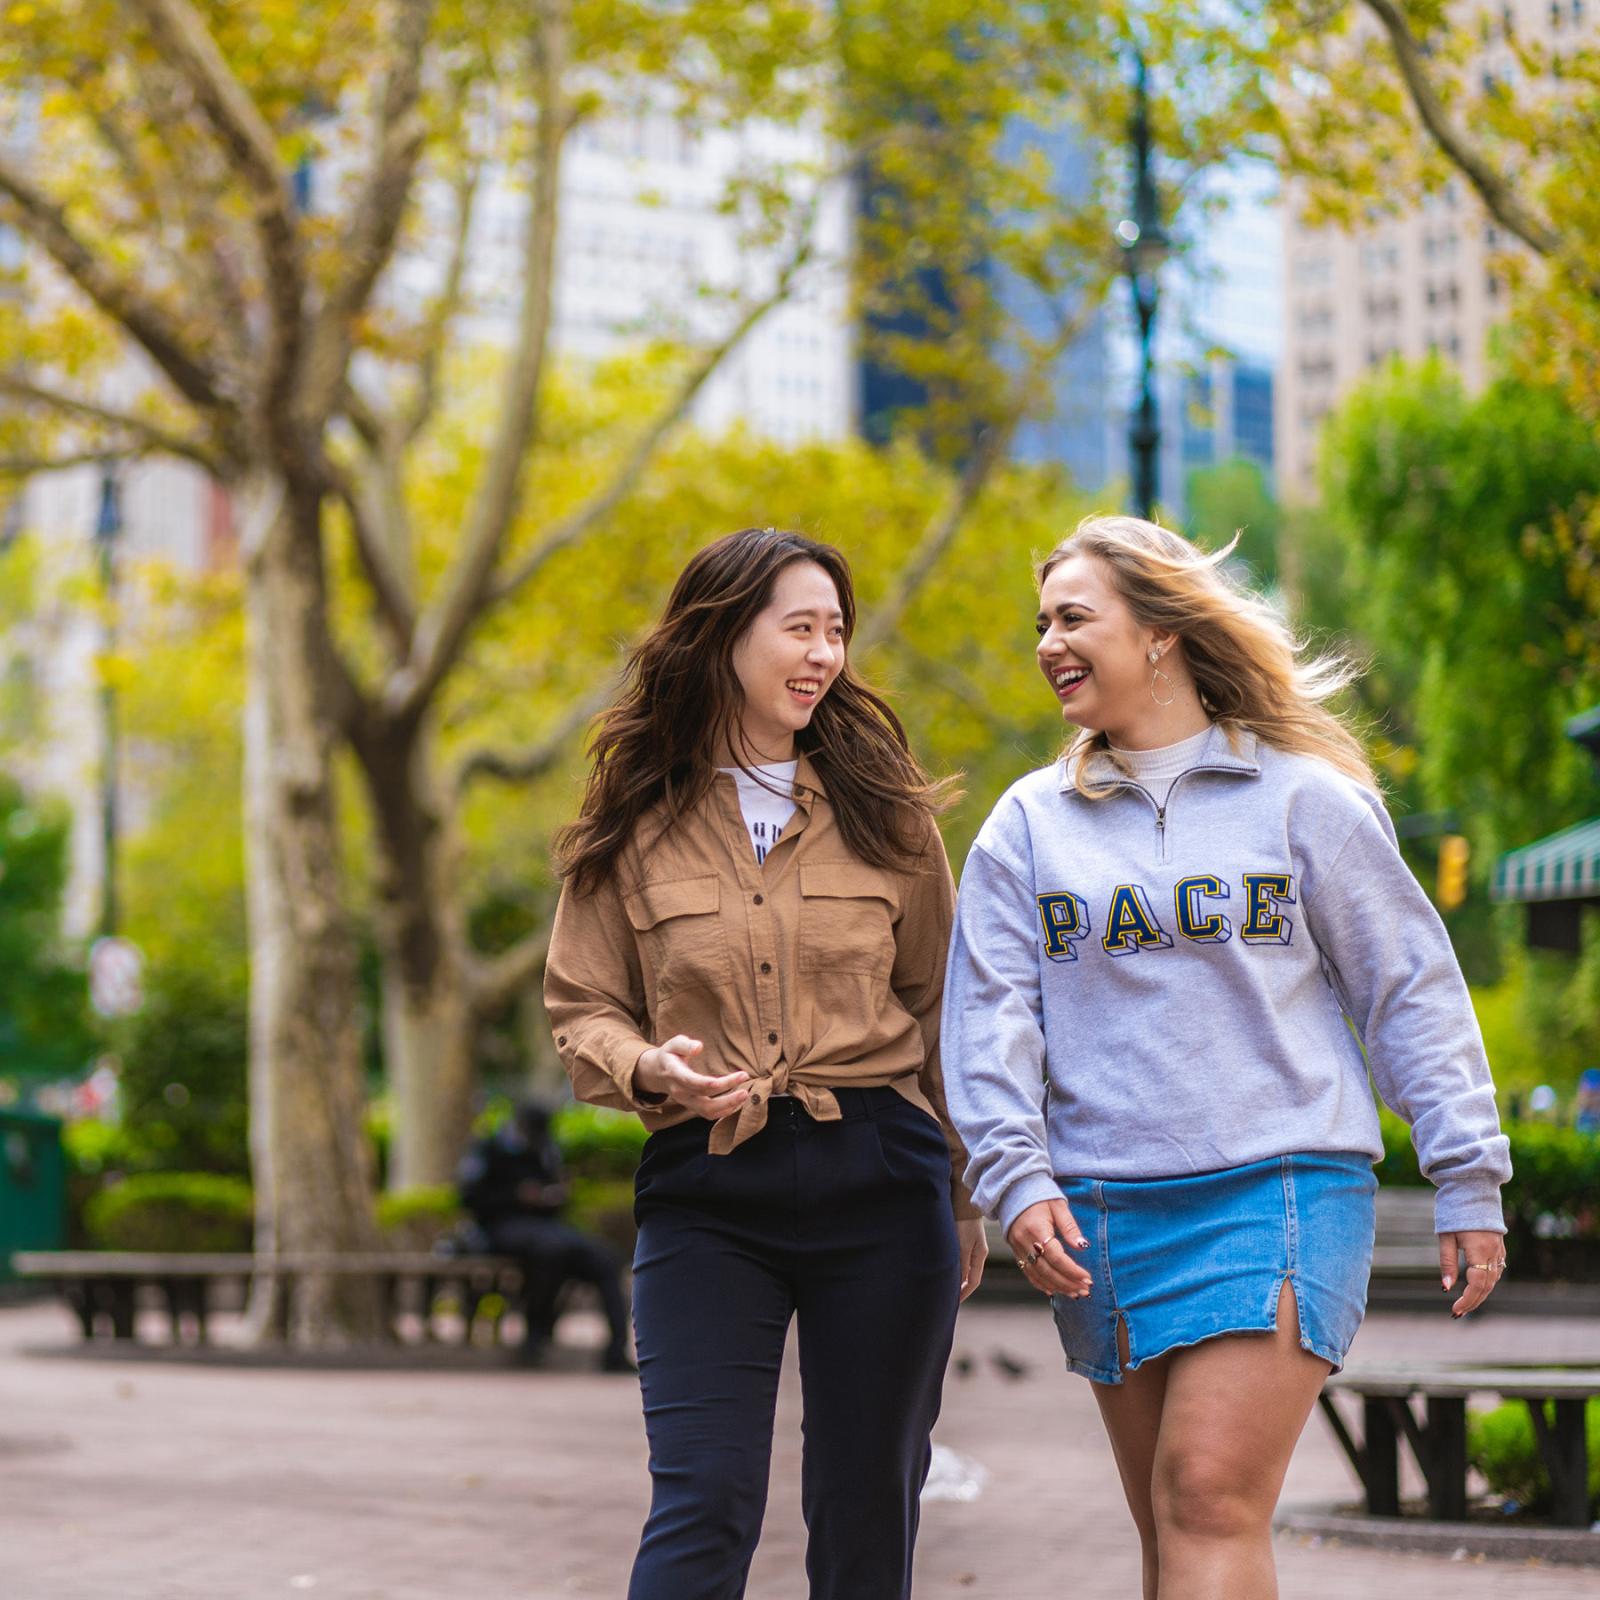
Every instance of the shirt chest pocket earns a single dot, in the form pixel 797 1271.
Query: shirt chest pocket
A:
pixel 846 918
pixel 679 931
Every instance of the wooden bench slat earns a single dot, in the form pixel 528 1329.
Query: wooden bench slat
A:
pixel 1458 1382
pixel 109 1263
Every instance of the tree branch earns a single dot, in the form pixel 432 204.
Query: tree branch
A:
pixel 388 586
pixel 444 309
pixel 46 224
pixel 572 528
pixel 537 759
pixel 495 981
pixel 443 628
pixel 1497 195
pixel 369 240
pixel 192 186
pixel 181 34
pixel 151 436
pixel 992 447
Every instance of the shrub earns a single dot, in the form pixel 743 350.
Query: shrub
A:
pixel 162 1211
pixel 416 1219
pixel 604 1207
pixel 1501 1445
pixel 185 1100
pixel 94 1148
pixel 1554 1171
pixel 598 1143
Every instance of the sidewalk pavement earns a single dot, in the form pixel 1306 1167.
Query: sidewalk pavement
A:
pixel 145 1479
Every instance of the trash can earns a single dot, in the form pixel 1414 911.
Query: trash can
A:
pixel 33 1186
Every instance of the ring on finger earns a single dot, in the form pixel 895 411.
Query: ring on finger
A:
pixel 1040 1246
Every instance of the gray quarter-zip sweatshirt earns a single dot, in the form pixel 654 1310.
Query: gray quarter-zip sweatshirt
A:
pixel 1142 991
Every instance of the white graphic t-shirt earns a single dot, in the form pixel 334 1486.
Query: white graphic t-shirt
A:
pixel 766 797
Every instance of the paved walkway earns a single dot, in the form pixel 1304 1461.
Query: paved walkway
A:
pixel 144 1480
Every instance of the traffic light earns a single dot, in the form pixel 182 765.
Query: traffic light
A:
pixel 1451 888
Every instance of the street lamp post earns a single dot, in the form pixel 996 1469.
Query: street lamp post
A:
pixel 1145 246
pixel 108 524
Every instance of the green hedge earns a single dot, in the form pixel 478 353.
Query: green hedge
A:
pixel 416 1219
pixel 163 1211
pixel 598 1143
pixel 1552 1203
pixel 1501 1445
pixel 1555 1171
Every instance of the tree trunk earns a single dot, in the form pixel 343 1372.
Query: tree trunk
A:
pixel 428 1032
pixel 311 1164
pixel 428 1020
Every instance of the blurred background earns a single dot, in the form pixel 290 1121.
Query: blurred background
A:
pixel 368 371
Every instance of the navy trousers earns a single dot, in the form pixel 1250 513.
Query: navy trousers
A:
pixel 846 1228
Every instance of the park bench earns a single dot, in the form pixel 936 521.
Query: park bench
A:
pixel 1438 1439
pixel 105 1287
pixel 1405 1245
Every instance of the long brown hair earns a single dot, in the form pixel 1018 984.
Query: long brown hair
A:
pixel 681 703
pixel 1250 670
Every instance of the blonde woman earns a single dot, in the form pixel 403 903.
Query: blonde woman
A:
pixel 1160 946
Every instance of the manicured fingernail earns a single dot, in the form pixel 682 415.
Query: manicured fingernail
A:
pixel 1447 1283
pixel 1080 1244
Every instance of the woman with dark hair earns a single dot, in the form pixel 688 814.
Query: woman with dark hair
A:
pixel 749 953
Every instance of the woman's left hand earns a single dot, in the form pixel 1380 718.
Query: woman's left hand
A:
pixel 1486 1261
pixel 974 1252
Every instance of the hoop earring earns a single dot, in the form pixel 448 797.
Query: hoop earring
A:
pixel 1172 688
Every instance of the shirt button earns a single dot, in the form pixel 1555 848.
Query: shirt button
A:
pixel 760 900
pixel 766 966
pixel 755 1096
pixel 772 1038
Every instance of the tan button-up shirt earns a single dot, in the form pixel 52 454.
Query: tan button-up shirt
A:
pixel 808 971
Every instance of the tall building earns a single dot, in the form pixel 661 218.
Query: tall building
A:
pixel 1070 431
pixel 645 234
pixel 1419 283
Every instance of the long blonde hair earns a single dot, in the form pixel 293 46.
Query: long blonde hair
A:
pixel 1250 670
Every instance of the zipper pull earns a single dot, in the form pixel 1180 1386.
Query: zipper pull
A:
pixel 1161 819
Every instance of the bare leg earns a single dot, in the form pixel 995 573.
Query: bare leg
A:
pixel 1131 1412
pixel 1233 1410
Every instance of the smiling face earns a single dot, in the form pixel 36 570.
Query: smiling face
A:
pixel 1093 653
pixel 787 659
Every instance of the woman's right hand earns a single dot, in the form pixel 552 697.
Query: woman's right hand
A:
pixel 1039 1238
pixel 667 1070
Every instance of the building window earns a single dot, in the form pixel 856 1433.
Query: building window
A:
pixel 1491 286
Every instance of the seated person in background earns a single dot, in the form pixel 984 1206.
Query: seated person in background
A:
pixel 511 1181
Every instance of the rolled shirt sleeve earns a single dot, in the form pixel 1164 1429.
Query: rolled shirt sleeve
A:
pixel 594 992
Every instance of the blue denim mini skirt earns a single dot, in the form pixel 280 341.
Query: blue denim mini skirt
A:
pixel 1187 1259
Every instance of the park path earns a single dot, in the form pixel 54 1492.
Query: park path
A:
pixel 145 1480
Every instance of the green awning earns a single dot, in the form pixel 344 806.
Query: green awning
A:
pixel 1566 866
